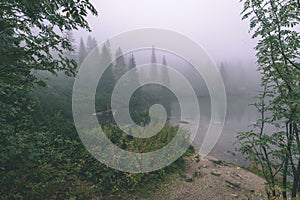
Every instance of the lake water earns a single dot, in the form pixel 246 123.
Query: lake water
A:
pixel 239 116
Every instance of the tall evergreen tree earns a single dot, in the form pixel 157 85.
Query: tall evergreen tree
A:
pixel 90 44
pixel 106 55
pixel 107 81
pixel 70 53
pixel 120 65
pixel 106 59
pixel 132 65
pixel 95 42
pixel 164 76
pixel 153 55
pixel 82 52
pixel 137 101
pixel 153 70
pixel 166 95
pixel 224 75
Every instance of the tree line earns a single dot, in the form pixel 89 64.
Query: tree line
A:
pixel 119 64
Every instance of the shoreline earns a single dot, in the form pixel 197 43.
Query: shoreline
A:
pixel 211 178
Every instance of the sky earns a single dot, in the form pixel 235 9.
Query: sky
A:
pixel 214 24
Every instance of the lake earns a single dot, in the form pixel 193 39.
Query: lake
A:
pixel 239 116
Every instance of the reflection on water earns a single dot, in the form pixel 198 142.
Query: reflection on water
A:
pixel 238 118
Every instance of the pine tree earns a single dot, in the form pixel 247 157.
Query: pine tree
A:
pixel 82 52
pixel 137 98
pixel 95 41
pixel 153 55
pixel 91 44
pixel 108 76
pixel 224 76
pixel 166 95
pixel 107 81
pixel 132 65
pixel 164 73
pixel 120 65
pixel 71 53
pixel 153 70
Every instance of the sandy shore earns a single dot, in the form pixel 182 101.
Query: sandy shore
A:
pixel 209 178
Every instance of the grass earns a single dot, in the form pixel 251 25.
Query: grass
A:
pixel 221 162
pixel 215 174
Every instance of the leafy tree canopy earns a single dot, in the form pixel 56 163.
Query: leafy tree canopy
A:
pixel 31 30
pixel 32 38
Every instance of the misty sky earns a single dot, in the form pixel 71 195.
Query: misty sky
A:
pixel 214 24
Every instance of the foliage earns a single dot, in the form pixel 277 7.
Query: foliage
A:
pixel 107 81
pixel 41 156
pixel 30 33
pixel 127 181
pixel 153 70
pixel 82 52
pixel 120 65
pixel 91 44
pixel 276 152
pixel 32 38
pixel 166 95
pixel 53 164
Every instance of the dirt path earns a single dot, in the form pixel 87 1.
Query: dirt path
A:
pixel 210 179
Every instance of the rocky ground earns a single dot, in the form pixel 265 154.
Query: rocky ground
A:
pixel 211 179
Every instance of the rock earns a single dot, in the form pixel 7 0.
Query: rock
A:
pixel 197 158
pixel 188 179
pixel 232 184
pixel 197 174
pixel 239 176
pixel 235 195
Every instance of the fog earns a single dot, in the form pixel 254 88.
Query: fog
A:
pixel 215 25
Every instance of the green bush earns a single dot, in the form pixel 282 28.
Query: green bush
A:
pixel 55 165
